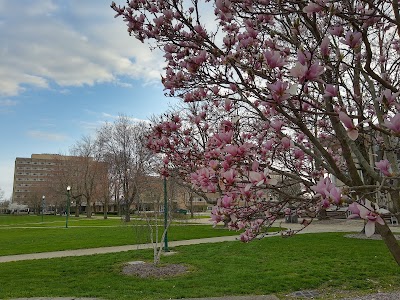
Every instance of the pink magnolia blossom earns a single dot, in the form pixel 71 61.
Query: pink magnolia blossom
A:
pixel 298 153
pixel 274 59
pixel 255 165
pixel 215 215
pixel 203 178
pixel 336 30
pixel 328 191
pixel 330 91
pixel 277 125
pixel 226 201
pixel 268 145
pixel 388 97
pixel 393 123
pixel 369 212
pixel 225 137
pixel 384 166
pixel 228 105
pixel 312 8
pixel 213 164
pixel 352 131
pixel 336 195
pixel 281 91
pixel 303 57
pixel 256 178
pixel 259 178
pixel 325 46
pixel 286 143
pixel 232 149
pixel 352 39
pixel 307 73
pixel 229 176
pixel 353 208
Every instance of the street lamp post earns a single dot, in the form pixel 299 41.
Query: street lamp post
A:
pixel 43 197
pixel 165 216
pixel 68 201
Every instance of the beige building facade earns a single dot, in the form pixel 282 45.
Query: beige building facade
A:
pixel 34 175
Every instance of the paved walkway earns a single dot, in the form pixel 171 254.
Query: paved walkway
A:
pixel 255 297
pixel 103 250
pixel 315 227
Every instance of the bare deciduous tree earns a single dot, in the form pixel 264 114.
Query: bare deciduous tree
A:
pixel 123 142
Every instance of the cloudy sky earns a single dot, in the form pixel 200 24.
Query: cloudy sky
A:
pixel 66 67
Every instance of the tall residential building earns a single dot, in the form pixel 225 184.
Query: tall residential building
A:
pixel 49 174
pixel 34 175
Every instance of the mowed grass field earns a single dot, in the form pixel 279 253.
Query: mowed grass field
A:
pixel 27 234
pixel 330 263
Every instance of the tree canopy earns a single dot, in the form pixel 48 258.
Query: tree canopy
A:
pixel 299 90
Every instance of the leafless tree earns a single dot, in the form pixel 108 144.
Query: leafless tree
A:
pixel 89 172
pixel 124 143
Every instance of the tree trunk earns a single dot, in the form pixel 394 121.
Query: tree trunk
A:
pixel 390 241
pixel 77 207
pixel 105 209
pixel 127 211
pixel 88 208
pixel 191 208
pixel 105 212
pixel 322 215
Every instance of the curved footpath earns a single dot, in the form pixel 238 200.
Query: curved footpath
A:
pixel 315 227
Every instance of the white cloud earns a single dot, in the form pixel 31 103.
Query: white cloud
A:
pixel 8 102
pixel 74 44
pixel 41 135
pixel 6 180
pixel 107 115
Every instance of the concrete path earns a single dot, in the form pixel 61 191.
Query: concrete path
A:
pixel 255 297
pixel 103 250
pixel 316 227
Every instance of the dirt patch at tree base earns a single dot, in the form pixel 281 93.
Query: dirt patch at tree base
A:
pixel 146 270
pixel 372 237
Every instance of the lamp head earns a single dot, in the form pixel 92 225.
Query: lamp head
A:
pixel 68 188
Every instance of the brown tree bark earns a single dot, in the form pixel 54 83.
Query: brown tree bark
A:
pixel 390 241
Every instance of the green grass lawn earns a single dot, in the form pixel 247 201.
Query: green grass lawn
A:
pixel 31 240
pixel 328 262
pixel 60 221
pixel 27 234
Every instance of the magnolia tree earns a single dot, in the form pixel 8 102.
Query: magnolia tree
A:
pixel 305 90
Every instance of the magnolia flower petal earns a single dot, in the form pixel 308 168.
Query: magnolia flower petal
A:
pixel 369 228
pixel 353 216
pixel 380 220
pixel 353 134
pixel 346 120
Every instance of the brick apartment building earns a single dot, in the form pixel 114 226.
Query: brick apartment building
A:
pixel 41 175
pixel 33 175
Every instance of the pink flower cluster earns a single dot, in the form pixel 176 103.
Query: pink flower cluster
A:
pixel 369 212
pixel 329 193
